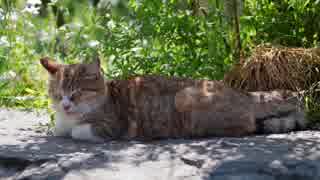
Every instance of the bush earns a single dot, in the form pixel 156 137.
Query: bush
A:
pixel 137 37
pixel 291 23
pixel 163 38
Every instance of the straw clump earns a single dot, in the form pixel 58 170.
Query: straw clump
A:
pixel 271 68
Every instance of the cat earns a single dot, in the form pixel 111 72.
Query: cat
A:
pixel 90 108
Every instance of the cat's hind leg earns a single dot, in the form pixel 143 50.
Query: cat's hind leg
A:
pixel 192 98
pixel 282 123
pixel 85 132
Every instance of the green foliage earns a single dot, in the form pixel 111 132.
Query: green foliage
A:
pixel 20 82
pixel 162 38
pixel 138 37
pixel 288 22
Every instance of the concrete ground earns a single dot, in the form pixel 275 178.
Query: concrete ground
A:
pixel 27 152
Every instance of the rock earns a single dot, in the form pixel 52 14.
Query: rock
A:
pixel 27 154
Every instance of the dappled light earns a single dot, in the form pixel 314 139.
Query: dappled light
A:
pixel 160 89
pixel 274 155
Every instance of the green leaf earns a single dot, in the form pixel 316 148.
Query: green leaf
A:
pixel 30 91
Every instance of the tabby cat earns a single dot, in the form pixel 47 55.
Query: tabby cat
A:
pixel 151 107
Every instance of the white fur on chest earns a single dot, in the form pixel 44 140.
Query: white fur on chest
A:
pixel 64 124
pixel 70 126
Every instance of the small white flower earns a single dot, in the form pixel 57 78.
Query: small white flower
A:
pixel 24 98
pixel 29 24
pixel 32 10
pixel 138 27
pixel 13 16
pixel 32 7
pixel 69 35
pixel 105 3
pixel 166 66
pixel 75 25
pixel 112 57
pixel 136 49
pixel 111 24
pixel 43 36
pixel 19 39
pixel 138 41
pixel 62 28
pixel 125 28
pixel 53 2
pixel 144 43
pixel 9 75
pixel 4 41
pixel 93 43
pixel 34 2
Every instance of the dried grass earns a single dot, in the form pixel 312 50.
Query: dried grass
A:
pixel 271 68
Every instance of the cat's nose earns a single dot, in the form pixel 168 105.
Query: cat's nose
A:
pixel 66 107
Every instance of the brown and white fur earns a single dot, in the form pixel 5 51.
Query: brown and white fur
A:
pixel 150 107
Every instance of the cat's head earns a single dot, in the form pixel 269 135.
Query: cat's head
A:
pixel 75 88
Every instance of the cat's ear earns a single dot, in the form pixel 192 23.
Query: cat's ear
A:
pixel 51 66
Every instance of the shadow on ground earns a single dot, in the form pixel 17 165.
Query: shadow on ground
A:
pixel 28 154
pixel 295 156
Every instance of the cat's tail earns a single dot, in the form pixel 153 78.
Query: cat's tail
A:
pixel 279 117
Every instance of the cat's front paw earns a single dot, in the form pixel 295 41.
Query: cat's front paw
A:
pixel 60 132
pixel 84 132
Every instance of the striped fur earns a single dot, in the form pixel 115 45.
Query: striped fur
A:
pixel 155 107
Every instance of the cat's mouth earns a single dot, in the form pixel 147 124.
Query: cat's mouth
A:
pixel 71 113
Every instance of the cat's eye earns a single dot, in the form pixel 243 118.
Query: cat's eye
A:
pixel 75 94
pixel 72 98
pixel 58 97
